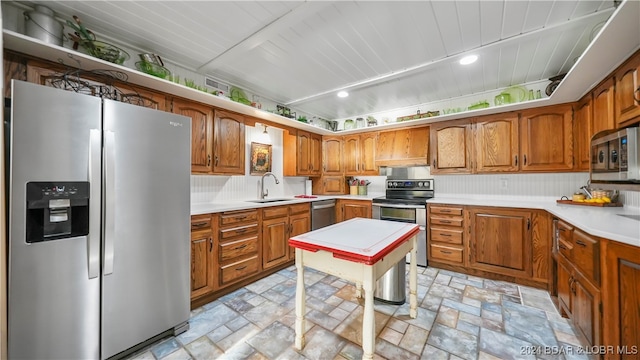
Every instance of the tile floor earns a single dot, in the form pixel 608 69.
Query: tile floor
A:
pixel 459 317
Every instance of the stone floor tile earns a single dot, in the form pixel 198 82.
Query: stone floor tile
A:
pixel 474 283
pixel 219 333
pixel 237 323
pixel 351 351
pixel 521 322
pixel 322 319
pixel 457 285
pixel 266 283
pixel 180 354
pixel 519 308
pixel 333 300
pixel 442 279
pixel 389 351
pixel 239 352
pixel 512 299
pixel 266 313
pixel 424 319
pixel 492 307
pixel 471 301
pixel 454 341
pixel 484 295
pixel 444 291
pixel 391 335
pixel 347 293
pixel 433 353
pixel 461 307
pixel 348 306
pixel 234 295
pixel 468 327
pixel 339 284
pixel 317 304
pixel 431 302
pixel 453 274
pixel 561 324
pixel 493 325
pixel 146 355
pixel 504 346
pixel 484 356
pixel 472 319
pixel 204 349
pixel 339 314
pixel 414 339
pixel 453 357
pixel 239 305
pixel 572 352
pixel 291 354
pixel 272 340
pixel 275 296
pixel 322 344
pixel 397 325
pixel 165 348
pixel 207 321
pixel 256 300
pixel 238 337
pixel 385 308
pixel 570 339
pixel 539 302
pixel 495 316
pixel 321 290
pixel 502 287
pixel 447 316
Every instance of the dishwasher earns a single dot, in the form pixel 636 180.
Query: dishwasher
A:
pixel 323 213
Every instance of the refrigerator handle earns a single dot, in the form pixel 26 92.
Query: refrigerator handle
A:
pixel 93 238
pixel 109 201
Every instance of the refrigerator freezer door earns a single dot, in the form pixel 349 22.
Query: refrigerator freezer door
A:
pixel 146 279
pixel 54 305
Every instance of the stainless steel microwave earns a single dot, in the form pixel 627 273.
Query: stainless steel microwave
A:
pixel 615 156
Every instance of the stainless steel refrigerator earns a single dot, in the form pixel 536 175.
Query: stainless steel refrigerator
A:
pixel 99 254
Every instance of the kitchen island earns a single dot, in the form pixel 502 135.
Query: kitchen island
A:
pixel 358 250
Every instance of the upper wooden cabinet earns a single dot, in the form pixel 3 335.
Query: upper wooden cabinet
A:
pixel 627 90
pixel 583 132
pixel 451 144
pixel 303 153
pixel 228 143
pixel 546 139
pixel 405 147
pixel 201 133
pixel 497 142
pixel 332 155
pixel 359 153
pixel 603 107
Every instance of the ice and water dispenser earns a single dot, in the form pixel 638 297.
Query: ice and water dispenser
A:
pixel 57 210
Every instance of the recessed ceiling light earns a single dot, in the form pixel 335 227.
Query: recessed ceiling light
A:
pixel 470 59
pixel 343 94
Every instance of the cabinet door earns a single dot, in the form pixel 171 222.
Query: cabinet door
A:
pixel 332 155
pixel 586 309
pixel 298 224
pixel 304 153
pixel 497 143
pixel 275 242
pixel 627 102
pixel 501 241
pixel 143 97
pixel 406 147
pixel 603 109
pixel 315 154
pixel 351 155
pixel 333 184
pixel 202 268
pixel 228 140
pixel 201 133
pixel 368 154
pixel 565 283
pixel 451 148
pixel 351 209
pixel 546 139
pixel 583 131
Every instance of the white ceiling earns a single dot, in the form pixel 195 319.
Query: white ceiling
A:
pixel 388 54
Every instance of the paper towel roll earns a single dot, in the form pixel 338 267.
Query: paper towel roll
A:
pixel 307 187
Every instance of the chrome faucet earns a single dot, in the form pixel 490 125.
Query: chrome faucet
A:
pixel 264 193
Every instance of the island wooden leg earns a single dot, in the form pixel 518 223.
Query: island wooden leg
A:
pixel 358 290
pixel 300 301
pixel 368 319
pixel 413 280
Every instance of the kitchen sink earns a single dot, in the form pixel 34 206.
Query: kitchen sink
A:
pixel 633 217
pixel 262 201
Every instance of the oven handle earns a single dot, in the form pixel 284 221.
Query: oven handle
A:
pixel 398 206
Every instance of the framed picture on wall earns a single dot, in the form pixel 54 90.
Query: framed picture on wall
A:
pixel 260 158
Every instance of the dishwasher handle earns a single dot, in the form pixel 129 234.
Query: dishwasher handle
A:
pixel 318 207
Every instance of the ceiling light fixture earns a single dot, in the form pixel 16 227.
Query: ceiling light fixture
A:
pixel 343 94
pixel 469 59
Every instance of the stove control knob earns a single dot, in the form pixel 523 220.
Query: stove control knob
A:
pixel 420 184
pixel 395 184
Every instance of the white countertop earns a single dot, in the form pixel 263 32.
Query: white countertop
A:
pixel 604 222
pixel 207 208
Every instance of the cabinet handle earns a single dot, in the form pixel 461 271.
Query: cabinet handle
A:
pixel 516 160
pixel 240 217
pixel 562 247
pixel 445 211
pixel 290 228
pixel 311 166
pixel 445 221
pixel 446 235
pixel 525 159
pixel 208 160
pixel 445 252
pixel 528 224
pixel 216 164
pixel 241 230
pixel 241 268
pixel 581 243
pixel 200 224
pixel 434 163
pixel 634 94
pixel 210 244
pixel 240 247
pixel 573 286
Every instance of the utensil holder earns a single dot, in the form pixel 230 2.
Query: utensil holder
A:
pixel 362 190
pixel 353 190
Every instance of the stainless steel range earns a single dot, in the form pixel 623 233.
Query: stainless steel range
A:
pixel 405 201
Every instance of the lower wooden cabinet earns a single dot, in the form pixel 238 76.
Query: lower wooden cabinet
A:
pixel 501 241
pixel 279 223
pixel 203 273
pixel 446 234
pixel 237 246
pixel 348 209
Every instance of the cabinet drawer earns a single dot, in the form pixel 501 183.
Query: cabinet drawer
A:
pixel 298 208
pixel 248 229
pixel 446 253
pixel 448 221
pixel 237 217
pixel 451 236
pixel 565 248
pixel 238 270
pixel 564 231
pixel 200 222
pixel 586 255
pixel 234 249
pixel 445 210
pixel 274 212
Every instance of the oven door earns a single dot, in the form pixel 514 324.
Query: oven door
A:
pixel 413 214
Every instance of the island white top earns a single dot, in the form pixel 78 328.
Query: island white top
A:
pixel 359 240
